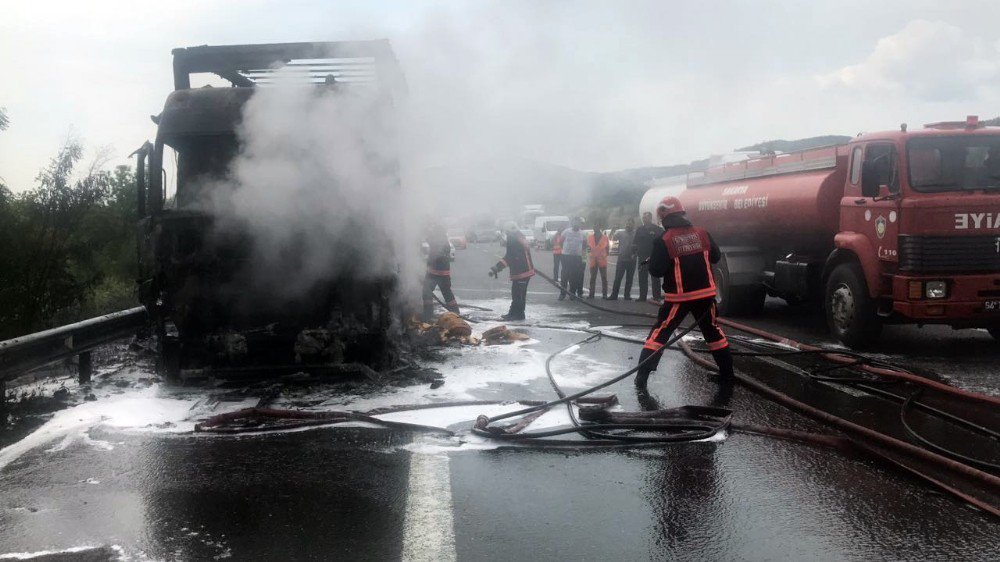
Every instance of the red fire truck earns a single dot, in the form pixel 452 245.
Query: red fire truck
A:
pixel 899 226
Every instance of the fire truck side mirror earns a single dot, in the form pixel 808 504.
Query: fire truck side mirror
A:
pixel 869 179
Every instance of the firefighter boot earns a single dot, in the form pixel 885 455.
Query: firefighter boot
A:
pixel 641 377
pixel 645 368
pixel 724 359
pixel 647 401
pixel 723 395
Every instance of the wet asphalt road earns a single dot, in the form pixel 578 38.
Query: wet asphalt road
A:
pixel 371 494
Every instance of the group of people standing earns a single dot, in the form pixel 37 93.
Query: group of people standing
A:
pixel 573 250
pixel 678 253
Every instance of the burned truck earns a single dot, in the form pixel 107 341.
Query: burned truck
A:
pixel 200 267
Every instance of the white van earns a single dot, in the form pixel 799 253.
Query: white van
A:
pixel 546 228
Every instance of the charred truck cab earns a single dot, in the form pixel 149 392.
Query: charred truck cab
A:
pixel 194 278
pixel 899 227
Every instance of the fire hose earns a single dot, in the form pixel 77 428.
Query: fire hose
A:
pixel 850 359
pixel 825 440
pixel 483 429
pixel 698 424
pixel 687 430
pixel 463 317
pixel 842 357
pixel 860 382
pixel 597 433
pixel 250 419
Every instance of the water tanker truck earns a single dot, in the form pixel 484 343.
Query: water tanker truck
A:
pixel 892 227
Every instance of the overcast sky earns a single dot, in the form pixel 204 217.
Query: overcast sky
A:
pixel 591 85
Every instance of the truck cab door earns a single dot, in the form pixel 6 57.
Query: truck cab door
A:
pixel 871 203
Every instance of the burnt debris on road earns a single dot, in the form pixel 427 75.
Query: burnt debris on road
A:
pixel 353 318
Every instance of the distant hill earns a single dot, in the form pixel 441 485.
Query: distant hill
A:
pixel 795 145
pixel 500 187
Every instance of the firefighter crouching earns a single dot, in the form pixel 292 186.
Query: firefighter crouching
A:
pixel 518 260
pixel 683 258
pixel 438 272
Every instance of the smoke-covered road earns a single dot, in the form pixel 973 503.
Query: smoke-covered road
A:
pixel 125 473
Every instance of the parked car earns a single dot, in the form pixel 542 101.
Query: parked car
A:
pixel 547 227
pixel 529 236
pixel 457 238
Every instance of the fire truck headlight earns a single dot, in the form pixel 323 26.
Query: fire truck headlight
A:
pixel 936 289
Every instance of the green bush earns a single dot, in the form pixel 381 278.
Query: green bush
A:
pixel 67 246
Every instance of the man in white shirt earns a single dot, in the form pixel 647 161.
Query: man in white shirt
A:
pixel 573 241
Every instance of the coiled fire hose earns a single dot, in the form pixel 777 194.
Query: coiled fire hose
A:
pixel 841 357
pixel 694 427
pixel 868 365
pixel 688 432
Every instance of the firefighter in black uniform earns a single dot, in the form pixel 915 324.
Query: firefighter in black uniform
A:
pixel 683 256
pixel 438 271
pixel 518 260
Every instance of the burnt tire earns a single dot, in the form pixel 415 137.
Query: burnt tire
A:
pixel 850 310
pixel 743 300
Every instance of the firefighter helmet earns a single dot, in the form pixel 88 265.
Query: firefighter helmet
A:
pixel 669 206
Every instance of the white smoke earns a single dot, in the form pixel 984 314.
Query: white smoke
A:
pixel 316 186
pixel 932 61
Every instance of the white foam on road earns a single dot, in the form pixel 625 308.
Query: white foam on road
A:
pixel 81 550
pixel 471 369
pixel 470 373
pixel 146 409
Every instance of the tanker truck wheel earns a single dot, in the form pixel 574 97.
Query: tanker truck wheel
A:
pixel 735 301
pixel 850 311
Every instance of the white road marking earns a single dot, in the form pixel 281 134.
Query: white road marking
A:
pixel 428 529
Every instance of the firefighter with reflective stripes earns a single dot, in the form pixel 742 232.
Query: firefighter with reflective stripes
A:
pixel 438 271
pixel 683 257
pixel 518 260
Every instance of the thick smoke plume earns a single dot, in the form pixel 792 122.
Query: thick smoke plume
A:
pixel 315 185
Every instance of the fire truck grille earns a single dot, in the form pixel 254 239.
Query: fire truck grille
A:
pixel 949 253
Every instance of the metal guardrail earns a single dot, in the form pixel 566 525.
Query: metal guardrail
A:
pixel 22 354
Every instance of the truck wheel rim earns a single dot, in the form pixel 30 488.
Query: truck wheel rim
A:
pixel 842 306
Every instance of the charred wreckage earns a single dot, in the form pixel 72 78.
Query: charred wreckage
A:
pixel 195 279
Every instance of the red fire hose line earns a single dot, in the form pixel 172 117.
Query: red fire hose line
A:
pixel 851 427
pixel 834 357
pixel 881 371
